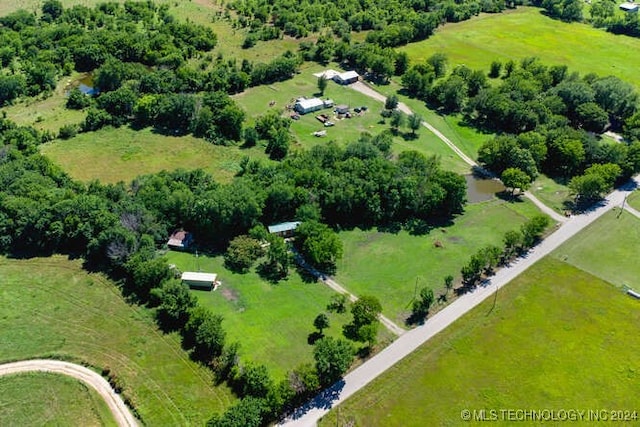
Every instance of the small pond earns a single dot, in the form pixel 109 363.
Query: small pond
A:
pixel 482 189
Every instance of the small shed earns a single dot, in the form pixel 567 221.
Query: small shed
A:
pixel 204 281
pixel 629 7
pixel 328 103
pixel 346 78
pixel 342 109
pixel 180 240
pixel 304 106
pixel 284 229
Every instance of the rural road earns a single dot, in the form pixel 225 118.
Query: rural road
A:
pixel 120 412
pixel 309 414
pixel 372 93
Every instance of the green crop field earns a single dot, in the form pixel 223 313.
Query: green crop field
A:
pixel 52 308
pixel 111 155
pixel 38 399
pixel 557 338
pixel 270 321
pixel 256 101
pixel 526 32
pixel 608 249
pixel 390 266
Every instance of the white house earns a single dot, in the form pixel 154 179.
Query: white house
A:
pixel 304 106
pixel 629 7
pixel 205 281
pixel 346 78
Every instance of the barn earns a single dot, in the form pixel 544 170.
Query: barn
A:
pixel 346 78
pixel 204 281
pixel 304 106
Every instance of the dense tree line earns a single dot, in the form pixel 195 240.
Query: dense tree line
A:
pixel 547 119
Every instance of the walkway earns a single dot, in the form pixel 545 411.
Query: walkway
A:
pixel 121 413
pixel 370 92
pixel 309 414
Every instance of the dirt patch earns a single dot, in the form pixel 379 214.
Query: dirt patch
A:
pixel 229 294
pixel 455 239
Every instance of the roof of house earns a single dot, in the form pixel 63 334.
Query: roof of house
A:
pixel 178 238
pixel 348 75
pixel 628 6
pixel 284 226
pixel 342 107
pixel 310 103
pixel 199 277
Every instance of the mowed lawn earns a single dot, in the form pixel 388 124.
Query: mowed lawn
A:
pixel 52 308
pixel 391 266
pixel 111 155
pixel 634 200
pixel 37 399
pixel 557 338
pixel 270 321
pixel 608 248
pixel 256 102
pixel 526 32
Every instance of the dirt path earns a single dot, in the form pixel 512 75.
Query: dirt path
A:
pixel 309 414
pixel 372 93
pixel 120 412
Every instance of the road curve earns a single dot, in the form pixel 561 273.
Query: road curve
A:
pixel 120 412
pixel 309 414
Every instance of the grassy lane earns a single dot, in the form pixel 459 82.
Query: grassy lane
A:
pixel 51 307
pixel 37 399
pixel 556 338
pixel 389 265
pixel 111 155
pixel 526 32
pixel 608 249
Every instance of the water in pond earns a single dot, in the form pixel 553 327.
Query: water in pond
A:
pixel 481 189
pixel 85 84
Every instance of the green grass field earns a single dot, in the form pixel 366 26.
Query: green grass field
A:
pixel 634 200
pixel 389 265
pixel 526 32
pixel 270 321
pixel 38 399
pixel 255 102
pixel 52 308
pixel 608 249
pixel 557 338
pixel 111 155
pixel 550 192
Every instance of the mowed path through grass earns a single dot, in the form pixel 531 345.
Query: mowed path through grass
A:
pixel 37 399
pixel 111 155
pixel 609 248
pixel 270 321
pixel 525 32
pixel 391 266
pixel 555 338
pixel 52 308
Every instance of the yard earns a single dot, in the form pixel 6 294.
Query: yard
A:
pixel 37 399
pixel 634 200
pixel 526 32
pixel 608 249
pixel 270 321
pixel 557 338
pixel 111 155
pixel 52 308
pixel 392 266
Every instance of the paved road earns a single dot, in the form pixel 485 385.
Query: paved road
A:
pixel 631 210
pixel 120 412
pixel 309 414
pixel 370 92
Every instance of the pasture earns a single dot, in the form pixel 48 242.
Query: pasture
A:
pixel 120 154
pixel 392 266
pixel 270 321
pixel 52 308
pixel 608 249
pixel 526 32
pixel 37 399
pixel 553 339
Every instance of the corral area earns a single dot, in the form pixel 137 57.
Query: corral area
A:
pixel 392 265
pixel 52 308
pixel 49 399
pixel 515 351
pixel 526 32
